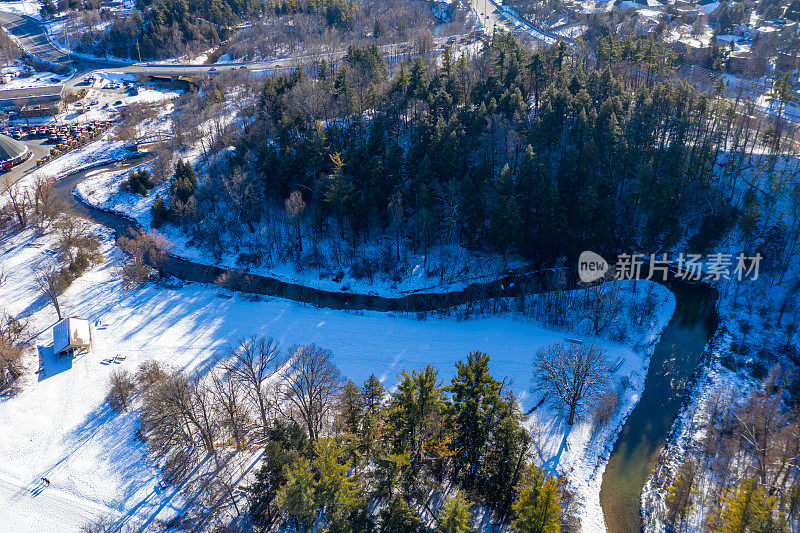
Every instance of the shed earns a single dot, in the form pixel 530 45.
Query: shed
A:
pixel 71 336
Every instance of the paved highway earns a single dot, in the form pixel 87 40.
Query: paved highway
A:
pixel 30 34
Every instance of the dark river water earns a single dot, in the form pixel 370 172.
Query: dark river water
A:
pixel 674 360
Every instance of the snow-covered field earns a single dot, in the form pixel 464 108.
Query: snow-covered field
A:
pixel 23 7
pixel 59 426
pixel 34 78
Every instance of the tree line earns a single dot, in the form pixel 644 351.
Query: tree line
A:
pixel 536 154
pixel 742 474
pixel 346 456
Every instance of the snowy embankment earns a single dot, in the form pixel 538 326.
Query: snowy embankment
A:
pixel 581 453
pixel 756 327
pixel 61 428
pixel 28 8
pixel 104 190
pixel 102 151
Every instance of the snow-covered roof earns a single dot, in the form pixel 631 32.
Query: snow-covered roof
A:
pixel 69 333
pixel 708 6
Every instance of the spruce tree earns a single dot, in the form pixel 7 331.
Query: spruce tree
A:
pixel 537 507
pixel 456 516
pixel 159 213
pixel 296 499
pixel 184 183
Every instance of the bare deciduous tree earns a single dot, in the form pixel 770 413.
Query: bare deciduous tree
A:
pixel 178 412
pixel 45 203
pixel 577 375
pixel 252 364
pixel 120 390
pixel 294 210
pixel 231 411
pixel 12 333
pixel 311 387
pixel 74 238
pixel 19 202
pixel 146 251
pixel 602 304
pixel 51 283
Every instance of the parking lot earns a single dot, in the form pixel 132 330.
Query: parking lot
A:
pixel 47 142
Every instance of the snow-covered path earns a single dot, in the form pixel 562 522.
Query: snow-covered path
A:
pixel 31 506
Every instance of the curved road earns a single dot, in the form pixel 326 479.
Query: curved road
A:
pixel 31 36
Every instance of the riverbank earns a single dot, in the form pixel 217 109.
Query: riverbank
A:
pixel 579 453
pixel 674 363
pixel 188 325
pixel 421 274
pixel 752 343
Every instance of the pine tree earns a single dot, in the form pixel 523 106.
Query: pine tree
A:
pixel 339 191
pixel 476 396
pixel 296 499
pixel 749 507
pixel 338 495
pixel 415 412
pixel 456 516
pixel 506 221
pixel 537 505
pixel 505 455
pixel 270 477
pixel 398 517
pixel 351 410
pixel 373 394
pixel 48 9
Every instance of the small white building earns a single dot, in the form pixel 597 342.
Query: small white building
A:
pixel 71 336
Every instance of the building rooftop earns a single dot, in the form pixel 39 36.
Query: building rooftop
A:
pixel 31 92
pixel 11 148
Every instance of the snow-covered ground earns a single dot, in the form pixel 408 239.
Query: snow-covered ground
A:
pixel 59 426
pixel 104 190
pixel 23 7
pixel 581 452
pixel 23 77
